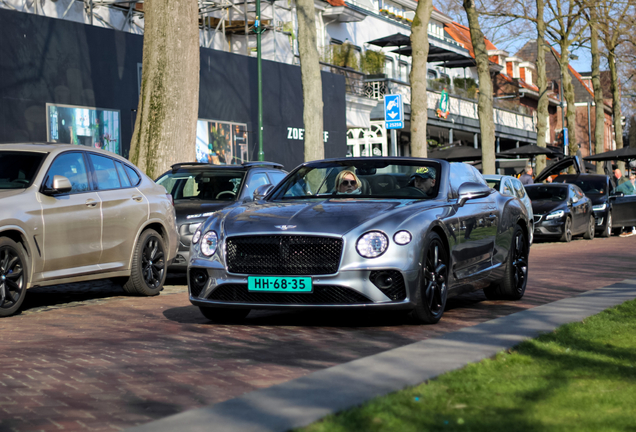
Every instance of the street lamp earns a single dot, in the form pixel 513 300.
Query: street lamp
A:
pixel 259 29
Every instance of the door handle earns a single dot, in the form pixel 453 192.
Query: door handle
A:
pixel 91 203
pixel 137 198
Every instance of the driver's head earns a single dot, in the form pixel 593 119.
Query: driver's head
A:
pixel 617 173
pixel 423 179
pixel 347 182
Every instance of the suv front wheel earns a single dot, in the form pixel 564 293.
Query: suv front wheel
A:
pixel 148 270
pixel 13 276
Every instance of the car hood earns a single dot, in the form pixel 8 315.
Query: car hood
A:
pixel 330 216
pixel 544 206
pixel 197 208
pixel 597 198
pixel 6 193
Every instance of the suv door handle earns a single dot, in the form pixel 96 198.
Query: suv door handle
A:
pixel 91 202
pixel 137 198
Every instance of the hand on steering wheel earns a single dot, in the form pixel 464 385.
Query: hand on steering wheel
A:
pixel 225 192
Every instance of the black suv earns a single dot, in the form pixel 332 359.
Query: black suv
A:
pixel 612 210
pixel 200 189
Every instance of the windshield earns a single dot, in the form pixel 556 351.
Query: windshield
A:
pixel 18 169
pixel 588 186
pixel 220 185
pixel 362 179
pixel 549 193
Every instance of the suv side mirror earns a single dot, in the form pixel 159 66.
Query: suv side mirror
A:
pixel 60 185
pixel 261 191
pixel 470 190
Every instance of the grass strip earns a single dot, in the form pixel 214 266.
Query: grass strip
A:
pixel 581 377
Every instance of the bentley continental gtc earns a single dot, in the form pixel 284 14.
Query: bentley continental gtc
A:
pixel 376 233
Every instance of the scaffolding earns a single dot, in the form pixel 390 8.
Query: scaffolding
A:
pixel 225 25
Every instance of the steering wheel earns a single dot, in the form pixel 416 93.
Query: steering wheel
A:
pixel 225 192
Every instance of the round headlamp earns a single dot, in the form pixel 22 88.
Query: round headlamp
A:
pixel 372 244
pixel 209 242
pixel 402 238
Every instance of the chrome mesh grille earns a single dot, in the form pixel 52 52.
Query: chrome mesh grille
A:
pixel 283 255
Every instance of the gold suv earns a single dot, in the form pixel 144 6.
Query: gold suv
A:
pixel 71 213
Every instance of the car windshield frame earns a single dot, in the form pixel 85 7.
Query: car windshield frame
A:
pixel 229 190
pixel 24 175
pixel 531 190
pixel 379 179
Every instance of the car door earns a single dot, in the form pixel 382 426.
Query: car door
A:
pixel 124 209
pixel 623 210
pixel 578 209
pixel 72 221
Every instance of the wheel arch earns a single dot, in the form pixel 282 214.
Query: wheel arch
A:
pixel 18 236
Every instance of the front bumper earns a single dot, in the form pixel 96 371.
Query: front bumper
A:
pixel 214 287
pixel 549 228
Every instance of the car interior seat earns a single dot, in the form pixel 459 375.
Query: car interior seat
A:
pixel 383 183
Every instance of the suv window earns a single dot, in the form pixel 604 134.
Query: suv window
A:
pixel 70 165
pixel 519 189
pixel 256 180
pixel 18 169
pixel 508 189
pixel 106 176
pixel 204 184
pixel 276 176
pixel 132 175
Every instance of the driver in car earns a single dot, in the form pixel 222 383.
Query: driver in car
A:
pixel 347 183
pixel 424 180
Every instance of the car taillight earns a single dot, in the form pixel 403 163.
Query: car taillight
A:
pixel 169 196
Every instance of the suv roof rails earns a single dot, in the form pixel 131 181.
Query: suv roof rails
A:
pixel 262 163
pixel 184 164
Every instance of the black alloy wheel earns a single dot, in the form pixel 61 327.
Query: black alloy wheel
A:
pixel 433 292
pixel 567 230
pixel 589 233
pixel 148 271
pixel 12 277
pixel 153 262
pixel 607 231
pixel 513 284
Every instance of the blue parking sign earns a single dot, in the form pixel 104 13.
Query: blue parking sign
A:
pixel 393 111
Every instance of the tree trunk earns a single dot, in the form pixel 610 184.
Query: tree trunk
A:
pixel 568 95
pixel 484 103
pixel 599 106
pixel 542 83
pixel 616 102
pixel 419 101
pixel 311 80
pixel 165 129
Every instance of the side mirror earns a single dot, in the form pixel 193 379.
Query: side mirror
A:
pixel 470 190
pixel 60 185
pixel 261 191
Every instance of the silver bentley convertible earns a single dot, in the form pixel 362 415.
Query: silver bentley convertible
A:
pixel 391 233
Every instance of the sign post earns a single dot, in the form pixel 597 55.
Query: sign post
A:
pixel 393 117
pixel 566 142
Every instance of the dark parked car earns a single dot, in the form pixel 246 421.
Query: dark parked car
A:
pixel 200 189
pixel 561 210
pixel 365 233
pixel 612 210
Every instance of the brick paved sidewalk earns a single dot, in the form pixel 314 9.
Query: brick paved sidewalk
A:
pixel 114 362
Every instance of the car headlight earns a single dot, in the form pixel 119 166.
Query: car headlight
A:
pixel 402 238
pixel 197 236
pixel 209 243
pixel 600 207
pixel 555 215
pixel 372 244
pixel 192 228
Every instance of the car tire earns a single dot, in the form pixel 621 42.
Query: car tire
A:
pixel 13 276
pixel 223 315
pixel 148 270
pixel 430 297
pixel 607 231
pixel 567 230
pixel 589 233
pixel 513 284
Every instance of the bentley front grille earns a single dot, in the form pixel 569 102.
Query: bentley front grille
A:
pixel 283 255
pixel 323 294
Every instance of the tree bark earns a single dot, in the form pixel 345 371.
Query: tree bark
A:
pixel 568 96
pixel 165 128
pixel 542 83
pixel 599 105
pixel 484 103
pixel 311 80
pixel 616 102
pixel 419 96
